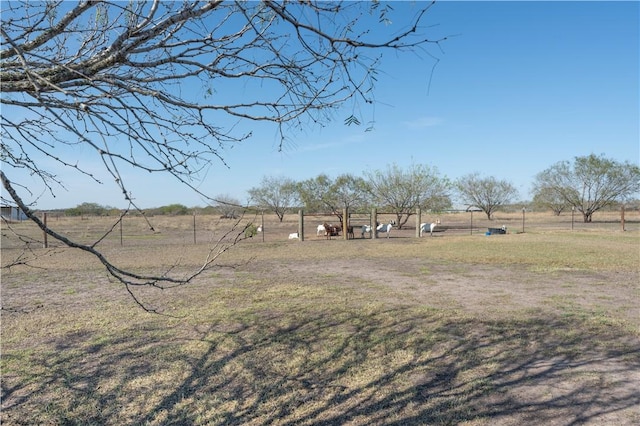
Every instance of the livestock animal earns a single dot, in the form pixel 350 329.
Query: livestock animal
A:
pixel 350 232
pixel 429 226
pixel 331 230
pixel 294 236
pixel 365 229
pixel 321 230
pixel 385 228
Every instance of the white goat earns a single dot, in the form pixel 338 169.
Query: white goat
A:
pixel 294 236
pixel 385 228
pixel 365 229
pixel 425 226
pixel 321 230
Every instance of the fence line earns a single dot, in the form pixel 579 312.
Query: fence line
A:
pixel 134 230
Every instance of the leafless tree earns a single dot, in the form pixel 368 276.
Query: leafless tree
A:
pixel 275 193
pixel 547 198
pixel 403 191
pixel 154 86
pixel 227 206
pixel 485 193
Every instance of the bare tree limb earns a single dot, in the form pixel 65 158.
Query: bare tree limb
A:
pixel 160 87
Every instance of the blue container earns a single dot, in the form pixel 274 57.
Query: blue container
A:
pixel 497 231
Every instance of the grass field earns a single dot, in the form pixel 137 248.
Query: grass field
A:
pixel 540 327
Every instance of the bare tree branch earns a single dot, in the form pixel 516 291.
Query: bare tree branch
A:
pixel 161 86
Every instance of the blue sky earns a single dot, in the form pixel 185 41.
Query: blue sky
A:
pixel 518 86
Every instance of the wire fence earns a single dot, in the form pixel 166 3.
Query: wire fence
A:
pixel 134 230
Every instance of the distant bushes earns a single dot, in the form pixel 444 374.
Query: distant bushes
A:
pixel 170 210
pixel 90 209
pixel 94 209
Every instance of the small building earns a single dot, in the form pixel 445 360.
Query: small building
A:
pixel 12 213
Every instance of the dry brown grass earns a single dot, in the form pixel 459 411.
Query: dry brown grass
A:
pixel 534 328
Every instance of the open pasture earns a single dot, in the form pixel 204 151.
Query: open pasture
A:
pixel 541 327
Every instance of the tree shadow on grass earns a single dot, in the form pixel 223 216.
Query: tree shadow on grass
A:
pixel 400 366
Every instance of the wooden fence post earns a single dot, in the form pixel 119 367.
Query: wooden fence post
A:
pixel 262 225
pixel 374 223
pixel 345 223
pixel 301 225
pixel 622 217
pixel 418 220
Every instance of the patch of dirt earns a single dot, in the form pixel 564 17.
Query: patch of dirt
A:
pixel 488 290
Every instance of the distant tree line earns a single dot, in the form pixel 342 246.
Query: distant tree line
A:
pixel 587 185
